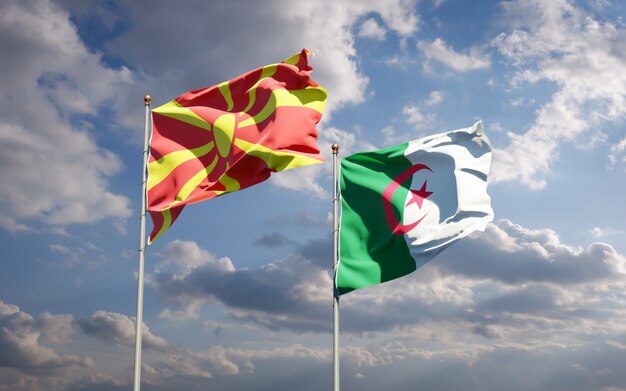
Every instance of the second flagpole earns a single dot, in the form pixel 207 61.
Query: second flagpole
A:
pixel 335 148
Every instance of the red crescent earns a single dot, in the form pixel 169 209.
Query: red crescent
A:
pixel 395 226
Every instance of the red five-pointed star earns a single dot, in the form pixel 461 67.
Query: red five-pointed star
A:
pixel 418 196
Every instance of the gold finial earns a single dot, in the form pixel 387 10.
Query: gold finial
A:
pixel 335 148
pixel 147 99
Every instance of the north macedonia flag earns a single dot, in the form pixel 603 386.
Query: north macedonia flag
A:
pixel 227 137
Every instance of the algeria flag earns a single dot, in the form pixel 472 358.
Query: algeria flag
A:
pixel 402 205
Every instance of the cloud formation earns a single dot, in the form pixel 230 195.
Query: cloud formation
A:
pixel 371 29
pixel 438 51
pixel 522 273
pixel 485 303
pixel 58 174
pixel 111 327
pixel 25 351
pixel 583 57
pixel 513 254
pixel 324 28
pixel 271 296
pixel 489 300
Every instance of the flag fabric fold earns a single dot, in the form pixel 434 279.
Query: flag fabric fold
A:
pixel 402 205
pixel 224 138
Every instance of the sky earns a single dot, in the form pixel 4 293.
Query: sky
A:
pixel 238 292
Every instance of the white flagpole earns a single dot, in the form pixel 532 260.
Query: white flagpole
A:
pixel 142 248
pixel 335 148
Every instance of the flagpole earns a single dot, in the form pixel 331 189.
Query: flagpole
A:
pixel 335 148
pixel 142 248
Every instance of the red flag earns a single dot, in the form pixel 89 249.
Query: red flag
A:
pixel 227 137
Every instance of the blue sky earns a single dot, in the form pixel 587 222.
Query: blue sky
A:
pixel 238 292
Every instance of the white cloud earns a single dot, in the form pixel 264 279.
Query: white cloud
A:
pixel 495 127
pixel 438 51
pixel 435 98
pixel 497 283
pixel 371 29
pixel 583 57
pixel 595 138
pixel 263 297
pixel 71 256
pixel 22 341
pixel 389 132
pixel 521 101
pixel 415 117
pixel 304 179
pixel 601 232
pixel 509 289
pixel 186 365
pixel 399 61
pixel 55 329
pixel 616 154
pixel 527 255
pixel 328 34
pixel 168 365
pixel 188 255
pixel 119 329
pixel 53 170
pixel 189 311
